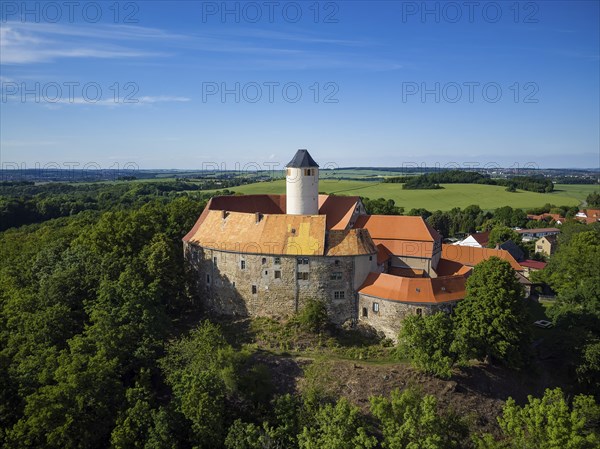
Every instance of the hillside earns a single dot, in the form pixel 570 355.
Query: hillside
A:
pixel 452 195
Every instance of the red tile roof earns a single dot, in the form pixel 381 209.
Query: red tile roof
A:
pixel 537 230
pixel 555 217
pixel 414 290
pixel 447 267
pixel 383 255
pixel 338 210
pixel 472 255
pixel 397 227
pixel 535 264
pixel 481 237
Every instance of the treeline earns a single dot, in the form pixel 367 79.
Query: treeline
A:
pixel 433 181
pixel 102 345
pixel 25 203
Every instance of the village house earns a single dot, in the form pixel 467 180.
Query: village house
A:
pixel 529 266
pixel 588 216
pixel 534 234
pixel 546 245
pixel 479 239
pixel 547 217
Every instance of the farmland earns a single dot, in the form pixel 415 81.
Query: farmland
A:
pixel 452 195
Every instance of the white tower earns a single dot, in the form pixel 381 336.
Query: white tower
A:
pixel 302 185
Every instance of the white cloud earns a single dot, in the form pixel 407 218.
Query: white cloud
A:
pixel 29 43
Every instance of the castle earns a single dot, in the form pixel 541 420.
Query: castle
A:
pixel 267 255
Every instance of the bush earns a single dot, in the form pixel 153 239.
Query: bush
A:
pixel 313 317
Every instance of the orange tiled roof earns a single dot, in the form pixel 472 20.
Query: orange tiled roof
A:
pixel 271 234
pixel 397 227
pixel 594 213
pixel 414 290
pixel 349 242
pixel 555 217
pixel 447 267
pixel 407 248
pixel 472 255
pixel 338 210
pixel 383 255
pixel 406 272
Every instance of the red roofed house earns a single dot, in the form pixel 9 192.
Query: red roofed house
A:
pixel 479 239
pixel 588 216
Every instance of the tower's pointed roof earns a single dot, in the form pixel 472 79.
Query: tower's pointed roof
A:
pixel 302 159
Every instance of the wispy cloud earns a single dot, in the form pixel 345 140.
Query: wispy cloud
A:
pixel 29 43
pixel 145 100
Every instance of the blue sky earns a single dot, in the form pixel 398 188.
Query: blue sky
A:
pixel 381 83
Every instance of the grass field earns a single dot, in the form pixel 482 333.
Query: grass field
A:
pixel 453 195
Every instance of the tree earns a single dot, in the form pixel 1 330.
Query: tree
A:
pixel 410 420
pixel 492 321
pixel 336 426
pixel 500 234
pixel 134 423
pixel 547 423
pixel 593 199
pixel 576 263
pixel 426 340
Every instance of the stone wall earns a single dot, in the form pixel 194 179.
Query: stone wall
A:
pixel 389 314
pixel 269 285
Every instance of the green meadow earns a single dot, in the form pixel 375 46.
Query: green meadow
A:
pixel 452 195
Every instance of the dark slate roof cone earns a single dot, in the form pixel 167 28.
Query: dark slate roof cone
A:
pixel 302 159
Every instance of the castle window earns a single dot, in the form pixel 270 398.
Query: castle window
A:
pixel 302 261
pixel 254 290
pixel 243 264
pixel 208 279
pixel 215 261
pixel 370 258
pixel 277 260
pixel 375 307
pixel 336 262
pixel 266 273
pixel 309 172
pixel 277 274
pixel 303 276
pixel 419 311
pixel 289 172
pixel 233 284
pixel 365 312
pixel 339 295
pixel 264 260
pixel 336 276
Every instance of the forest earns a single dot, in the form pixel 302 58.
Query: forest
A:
pixel 537 184
pixel 104 343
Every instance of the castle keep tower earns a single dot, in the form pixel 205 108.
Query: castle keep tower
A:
pixel 302 185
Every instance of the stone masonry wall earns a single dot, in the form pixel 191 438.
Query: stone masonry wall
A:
pixel 388 318
pixel 270 286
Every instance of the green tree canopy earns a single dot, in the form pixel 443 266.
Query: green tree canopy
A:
pixel 492 321
pixel 547 423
